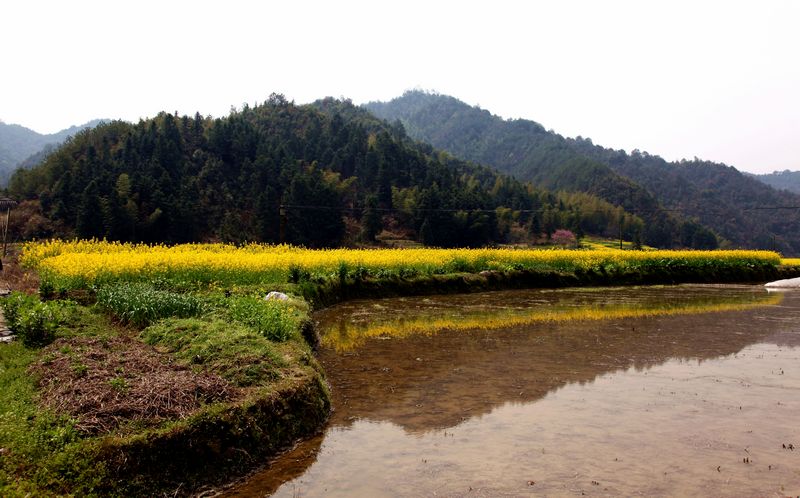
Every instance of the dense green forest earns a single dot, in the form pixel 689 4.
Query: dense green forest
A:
pixel 527 151
pixel 786 180
pixel 698 193
pixel 317 175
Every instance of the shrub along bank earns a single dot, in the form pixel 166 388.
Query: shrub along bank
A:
pixel 174 372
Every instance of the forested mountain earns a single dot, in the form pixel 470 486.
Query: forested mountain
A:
pixel 737 207
pixel 786 180
pixel 18 144
pixel 527 151
pixel 331 168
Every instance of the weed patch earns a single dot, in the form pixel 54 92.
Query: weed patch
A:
pixel 35 322
pixel 275 320
pixel 141 304
pixel 238 354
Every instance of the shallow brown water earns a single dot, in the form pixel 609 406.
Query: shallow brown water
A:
pixel 606 392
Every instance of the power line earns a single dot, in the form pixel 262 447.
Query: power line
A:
pixel 311 207
pixel 769 208
pixel 448 210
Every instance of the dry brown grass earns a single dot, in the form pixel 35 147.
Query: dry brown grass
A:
pixel 14 277
pixel 106 383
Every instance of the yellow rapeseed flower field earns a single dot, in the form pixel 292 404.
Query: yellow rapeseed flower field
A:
pixel 71 264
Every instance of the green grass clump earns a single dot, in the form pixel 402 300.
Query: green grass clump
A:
pixel 140 304
pixel 275 320
pixel 230 350
pixel 34 322
pixel 27 433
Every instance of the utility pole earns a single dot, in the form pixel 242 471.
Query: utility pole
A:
pixel 7 204
pixel 5 231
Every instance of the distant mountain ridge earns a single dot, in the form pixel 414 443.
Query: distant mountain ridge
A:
pixel 18 144
pixel 785 180
pixel 718 196
pixel 741 208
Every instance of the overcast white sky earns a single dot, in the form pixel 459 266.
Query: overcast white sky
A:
pixel 718 80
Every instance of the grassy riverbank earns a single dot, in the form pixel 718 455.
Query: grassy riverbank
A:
pixel 94 392
pixel 150 391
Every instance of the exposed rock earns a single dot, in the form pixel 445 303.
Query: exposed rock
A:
pixel 277 296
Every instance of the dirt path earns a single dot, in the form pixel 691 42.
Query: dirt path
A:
pixel 5 289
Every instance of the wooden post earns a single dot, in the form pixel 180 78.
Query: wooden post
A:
pixel 5 232
pixel 7 204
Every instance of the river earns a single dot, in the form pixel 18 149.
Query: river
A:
pixel 650 391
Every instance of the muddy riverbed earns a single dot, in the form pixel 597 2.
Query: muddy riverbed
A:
pixel 685 390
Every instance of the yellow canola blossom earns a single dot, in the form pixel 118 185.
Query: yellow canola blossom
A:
pixel 791 261
pixel 78 263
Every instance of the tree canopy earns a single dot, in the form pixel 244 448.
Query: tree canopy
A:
pixel 300 174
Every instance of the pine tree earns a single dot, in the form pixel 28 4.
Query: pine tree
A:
pixel 89 222
pixel 426 233
pixel 371 221
pixel 535 227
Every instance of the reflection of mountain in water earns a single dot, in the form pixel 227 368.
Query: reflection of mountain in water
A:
pixel 425 381
pixel 784 321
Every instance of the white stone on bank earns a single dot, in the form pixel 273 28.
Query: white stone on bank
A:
pixel 789 283
pixel 278 296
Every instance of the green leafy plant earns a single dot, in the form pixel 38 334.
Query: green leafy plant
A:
pixel 14 303
pixel 79 368
pixel 140 304
pixel 33 321
pixel 275 320
pixel 298 274
pixel 119 384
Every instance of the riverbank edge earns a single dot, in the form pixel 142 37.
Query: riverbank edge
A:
pixel 217 444
pixel 331 292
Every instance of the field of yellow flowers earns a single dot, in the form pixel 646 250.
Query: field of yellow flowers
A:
pixel 79 264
